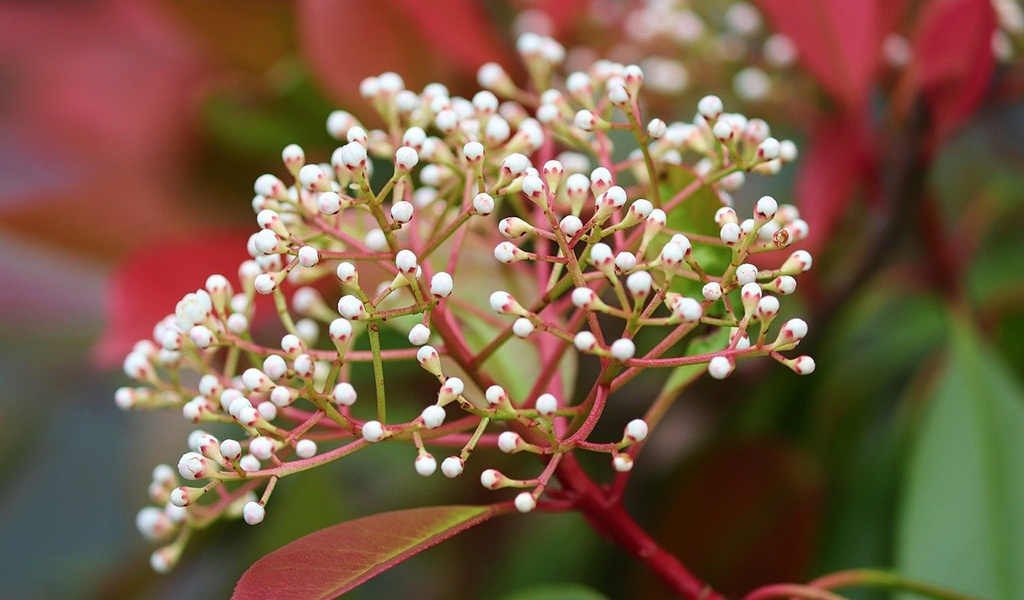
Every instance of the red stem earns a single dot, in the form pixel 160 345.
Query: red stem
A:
pixel 612 521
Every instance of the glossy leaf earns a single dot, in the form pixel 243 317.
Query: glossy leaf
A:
pixel 415 39
pixel 953 69
pixel 832 168
pixel 335 560
pixel 146 287
pixel 961 523
pixel 839 42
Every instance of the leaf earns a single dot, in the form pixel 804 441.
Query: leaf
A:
pixel 838 41
pixel 829 177
pixel 953 70
pixel 335 560
pixel 683 375
pixel 696 214
pixel 961 523
pixel 146 287
pixel 347 40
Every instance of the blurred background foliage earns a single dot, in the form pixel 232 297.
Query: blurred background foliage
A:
pixel 132 131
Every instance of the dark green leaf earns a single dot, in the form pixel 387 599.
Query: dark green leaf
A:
pixel 961 522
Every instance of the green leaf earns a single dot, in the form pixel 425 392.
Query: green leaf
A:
pixel 560 591
pixel 961 522
pixel 335 560
pixel 683 375
pixel 696 214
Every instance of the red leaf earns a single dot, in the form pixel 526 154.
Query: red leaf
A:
pixel 831 169
pixel 839 42
pixel 335 560
pixel 146 287
pixel 953 59
pixel 348 40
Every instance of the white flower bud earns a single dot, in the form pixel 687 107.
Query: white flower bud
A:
pixel 712 291
pixel 622 463
pixel 338 124
pixel 798 262
pixel 473 152
pixel 504 303
pixel 730 233
pixel 483 204
pixel 304 366
pixel 275 367
pixel 497 130
pixel 785 284
pixel 441 285
pixel 584 297
pixel 425 464
pixel 585 341
pixel 429 360
pixel 746 273
pixel 433 416
pixel 803 365
pixel 623 349
pixel 308 256
pixel 351 307
pixel 406 158
pixel 193 466
pixel 452 467
pixel 509 442
pixel 515 165
pixel 406 262
pixel 353 155
pixel 792 331
pixel 723 131
pixel 585 120
pixel 373 431
pixel 491 479
pixel 344 394
pixel 270 187
pixel 546 405
pixel 401 211
pixel 525 502
pixel 507 252
pixel 419 334
pixel 767 308
pixel 570 225
pixel 710 107
pixel 495 395
pixel 340 330
pixel 329 203
pixel 639 283
pixel 253 513
pixel 347 272
pixel 636 430
pixel 231 450
pixel 262 447
pixel 305 448
pixel 312 177
pixel 533 187
pixel 787 151
pixel 522 327
pixel 720 367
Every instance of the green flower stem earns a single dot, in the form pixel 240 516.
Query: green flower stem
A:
pixel 282 311
pixel 373 330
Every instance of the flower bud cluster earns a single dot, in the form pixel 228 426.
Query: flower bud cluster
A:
pixel 343 260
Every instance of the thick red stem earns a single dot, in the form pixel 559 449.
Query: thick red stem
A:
pixel 612 521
